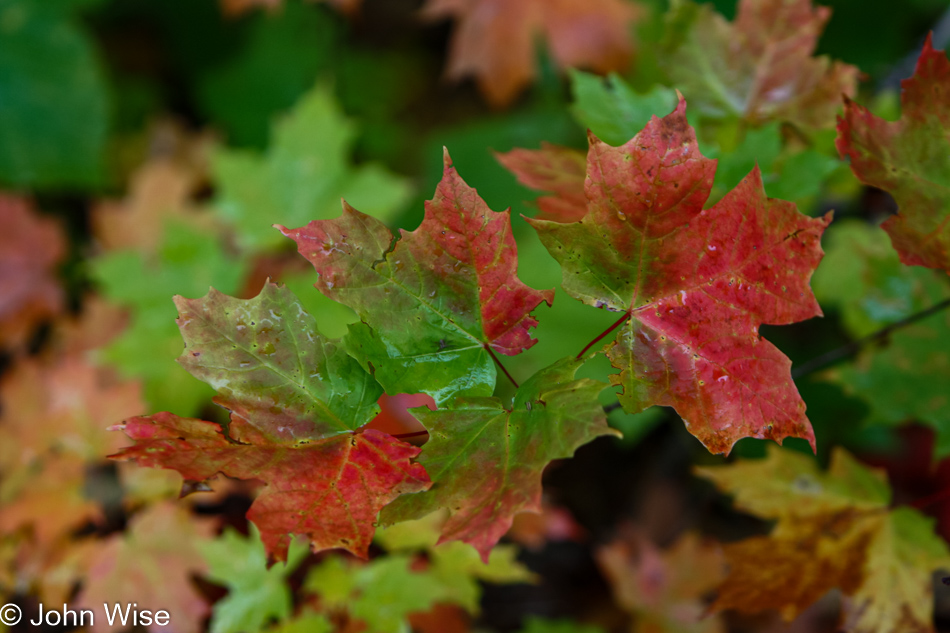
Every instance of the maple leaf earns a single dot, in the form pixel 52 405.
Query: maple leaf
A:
pixel 30 249
pixel 910 159
pixel 694 283
pixel 160 189
pixel 436 304
pixel 51 503
pixel 662 588
pixel 485 461
pixel 457 566
pixel 834 529
pixel 759 67
pixel 381 593
pixel 303 174
pixel 256 594
pixel 188 262
pixel 495 39
pixel 151 565
pixel 560 170
pixel 295 399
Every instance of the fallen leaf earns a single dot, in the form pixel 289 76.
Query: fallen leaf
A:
pixel 151 565
pixel 494 40
pixel 834 529
pixel 31 248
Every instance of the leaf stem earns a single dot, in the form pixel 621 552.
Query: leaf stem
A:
pixel 626 315
pixel 500 366
pixel 828 358
pixel 403 436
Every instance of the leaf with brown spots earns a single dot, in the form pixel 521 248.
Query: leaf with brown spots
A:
pixel 692 284
pixel 834 529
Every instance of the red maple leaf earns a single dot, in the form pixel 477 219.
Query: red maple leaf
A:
pixel 495 39
pixel 910 159
pixel 435 305
pixel 330 490
pixel 693 284
pixel 560 170
pixel 297 403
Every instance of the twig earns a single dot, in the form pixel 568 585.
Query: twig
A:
pixel 500 366
pixel 844 351
pixel 626 315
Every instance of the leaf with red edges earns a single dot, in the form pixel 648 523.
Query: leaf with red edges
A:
pixel 330 490
pixel 694 284
pixel 296 399
pixel 436 304
pixel 560 170
pixel 486 461
pixel 910 159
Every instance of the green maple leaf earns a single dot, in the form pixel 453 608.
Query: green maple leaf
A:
pixel 188 262
pixel 457 566
pixel 256 594
pixel 833 529
pixel 54 111
pixel 485 461
pixel 381 593
pixel 302 176
pixel 436 304
pixel 613 110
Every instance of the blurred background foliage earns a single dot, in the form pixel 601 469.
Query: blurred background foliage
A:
pixel 164 138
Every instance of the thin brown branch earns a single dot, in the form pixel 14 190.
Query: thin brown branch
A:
pixel 500 366
pixel 626 315
pixel 829 358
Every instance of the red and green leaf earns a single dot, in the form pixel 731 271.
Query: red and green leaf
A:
pixel 295 400
pixel 910 159
pixel 436 304
pixel 759 67
pixel 694 284
pixel 486 461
